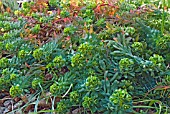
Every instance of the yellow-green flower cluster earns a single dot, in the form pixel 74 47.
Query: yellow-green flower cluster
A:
pixel 15 91
pixel 36 29
pixel 77 60
pixel 13 76
pixel 127 84
pixel 36 82
pixel 61 107
pixel 121 98
pixel 2 81
pixel 6 36
pixel 85 48
pixel 74 97
pixel 4 62
pixel 157 60
pixel 22 54
pixel 125 64
pixel 38 53
pixel 7 26
pixel 17 12
pixel 64 13
pixel 5 72
pixel 163 43
pixel 54 89
pixel 88 102
pixel 69 31
pixel 9 46
pixel 92 82
pixel 58 61
pixel 137 47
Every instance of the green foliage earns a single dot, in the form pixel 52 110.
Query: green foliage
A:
pixel 36 82
pixel 36 29
pixel 13 5
pixel 65 13
pixel 101 57
pixel 54 3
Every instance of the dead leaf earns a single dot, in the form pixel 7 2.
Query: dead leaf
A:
pixel 24 98
pixel 55 35
pixel 8 9
pixel 27 65
pixel 16 99
pixel 115 39
pixel 91 29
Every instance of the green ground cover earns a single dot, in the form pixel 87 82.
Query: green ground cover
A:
pixel 100 57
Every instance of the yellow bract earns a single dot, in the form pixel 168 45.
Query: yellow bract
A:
pixel 17 12
pixel 0 4
pixel 45 4
pixel 2 29
pixel 78 2
pixel 50 12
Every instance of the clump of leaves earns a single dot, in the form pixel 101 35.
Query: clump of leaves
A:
pixel 102 57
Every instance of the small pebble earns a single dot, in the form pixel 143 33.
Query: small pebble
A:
pixel 18 104
pixel 2 110
pixel 7 103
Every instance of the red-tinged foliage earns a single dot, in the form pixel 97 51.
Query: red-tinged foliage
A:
pixel 108 9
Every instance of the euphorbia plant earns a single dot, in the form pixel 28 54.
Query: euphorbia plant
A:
pixel 100 57
pixel 122 101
